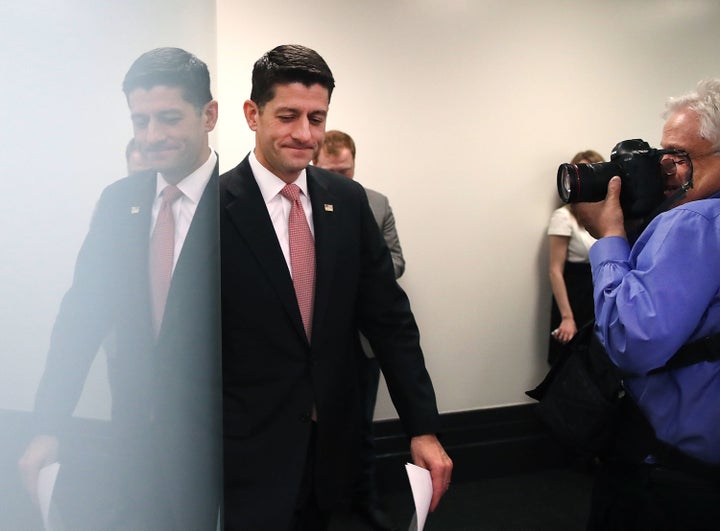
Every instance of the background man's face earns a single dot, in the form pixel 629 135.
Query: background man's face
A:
pixel 170 132
pixel 682 131
pixel 341 162
pixel 289 129
pixel 136 162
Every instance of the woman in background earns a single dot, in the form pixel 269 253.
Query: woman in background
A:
pixel 570 275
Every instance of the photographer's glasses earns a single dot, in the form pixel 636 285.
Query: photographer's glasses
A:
pixel 675 161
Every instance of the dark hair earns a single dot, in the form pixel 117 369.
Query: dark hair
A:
pixel 335 141
pixel 172 67
pixel 288 63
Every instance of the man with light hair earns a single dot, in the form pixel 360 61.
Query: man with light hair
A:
pixel 650 300
pixel 337 154
pixel 134 158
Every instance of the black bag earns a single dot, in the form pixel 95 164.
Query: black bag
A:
pixel 582 395
pixel 579 397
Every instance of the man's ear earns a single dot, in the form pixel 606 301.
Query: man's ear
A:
pixel 210 115
pixel 252 112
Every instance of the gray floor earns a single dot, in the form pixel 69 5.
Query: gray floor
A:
pixel 556 500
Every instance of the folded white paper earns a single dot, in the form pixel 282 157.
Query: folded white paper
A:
pixel 46 485
pixel 421 486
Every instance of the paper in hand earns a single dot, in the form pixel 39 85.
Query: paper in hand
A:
pixel 421 486
pixel 46 486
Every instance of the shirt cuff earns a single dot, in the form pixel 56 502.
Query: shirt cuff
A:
pixel 609 249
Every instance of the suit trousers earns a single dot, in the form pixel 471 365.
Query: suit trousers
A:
pixel 136 483
pixel 105 488
pixel 365 491
pixel 308 515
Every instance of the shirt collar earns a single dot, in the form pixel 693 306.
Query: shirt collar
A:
pixel 269 183
pixel 194 184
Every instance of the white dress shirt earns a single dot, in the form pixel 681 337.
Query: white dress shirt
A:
pixel 278 205
pixel 184 208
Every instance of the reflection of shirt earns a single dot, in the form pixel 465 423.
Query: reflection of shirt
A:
pixel 651 300
pixel 184 208
pixel 563 223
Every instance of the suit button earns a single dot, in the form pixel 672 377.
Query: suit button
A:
pixel 305 418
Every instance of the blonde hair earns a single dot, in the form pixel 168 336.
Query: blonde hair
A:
pixel 335 141
pixel 588 155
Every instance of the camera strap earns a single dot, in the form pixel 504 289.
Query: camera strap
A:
pixel 703 349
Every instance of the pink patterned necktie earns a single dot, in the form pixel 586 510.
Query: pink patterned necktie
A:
pixel 302 256
pixel 162 251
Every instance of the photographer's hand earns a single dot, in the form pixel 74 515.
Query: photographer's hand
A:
pixel 604 218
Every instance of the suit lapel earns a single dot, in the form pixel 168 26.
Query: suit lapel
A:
pixel 198 255
pixel 136 212
pixel 249 216
pixel 202 234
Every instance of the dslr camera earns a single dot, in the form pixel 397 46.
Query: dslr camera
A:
pixel 643 178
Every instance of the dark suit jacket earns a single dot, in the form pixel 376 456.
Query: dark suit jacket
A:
pixel 165 391
pixel 272 376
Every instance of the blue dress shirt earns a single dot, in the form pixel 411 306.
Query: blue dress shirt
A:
pixel 652 299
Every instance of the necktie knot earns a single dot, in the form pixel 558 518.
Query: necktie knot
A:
pixel 291 192
pixel 170 194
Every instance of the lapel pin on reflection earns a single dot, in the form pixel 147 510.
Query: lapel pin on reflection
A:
pixel 328 208
pixel 135 210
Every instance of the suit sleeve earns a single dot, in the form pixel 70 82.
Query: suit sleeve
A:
pixel 392 240
pixel 81 324
pixel 386 319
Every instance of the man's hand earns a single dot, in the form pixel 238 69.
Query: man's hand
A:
pixel 604 218
pixel 42 451
pixel 427 452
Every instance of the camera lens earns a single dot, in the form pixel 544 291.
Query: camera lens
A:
pixel 578 183
pixel 565 181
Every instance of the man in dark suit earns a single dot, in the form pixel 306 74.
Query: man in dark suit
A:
pixel 291 407
pixel 148 271
pixel 337 154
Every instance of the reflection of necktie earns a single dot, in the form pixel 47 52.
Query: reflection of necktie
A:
pixel 162 251
pixel 302 256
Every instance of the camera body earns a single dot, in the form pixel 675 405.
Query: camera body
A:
pixel 635 162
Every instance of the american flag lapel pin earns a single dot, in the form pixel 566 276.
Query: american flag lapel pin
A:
pixel 328 207
pixel 134 209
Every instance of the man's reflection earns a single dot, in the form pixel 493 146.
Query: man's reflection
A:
pixel 148 272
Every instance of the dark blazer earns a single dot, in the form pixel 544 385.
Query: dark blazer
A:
pixel 272 376
pixel 165 390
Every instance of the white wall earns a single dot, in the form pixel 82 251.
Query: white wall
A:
pixel 461 110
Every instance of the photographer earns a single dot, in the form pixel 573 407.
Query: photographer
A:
pixel 650 300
